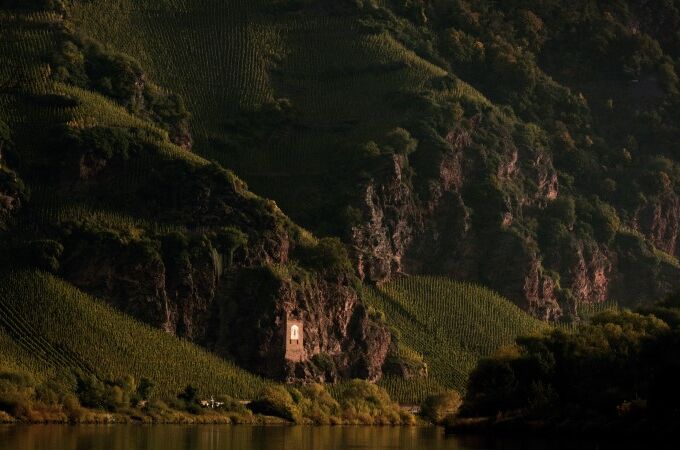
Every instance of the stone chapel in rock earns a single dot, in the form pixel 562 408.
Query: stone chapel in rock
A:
pixel 295 350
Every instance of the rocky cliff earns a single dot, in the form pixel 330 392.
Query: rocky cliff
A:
pixel 471 222
pixel 126 213
pixel 550 189
pixel 230 279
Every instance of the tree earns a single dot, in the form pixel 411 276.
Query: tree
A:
pixel 400 142
pixel 189 395
pixel 145 388
pixel 438 407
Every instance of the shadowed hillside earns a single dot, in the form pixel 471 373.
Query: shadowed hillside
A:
pixel 466 139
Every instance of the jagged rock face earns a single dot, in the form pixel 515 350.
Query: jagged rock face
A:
pixel 393 220
pixel 240 314
pixel 336 328
pixel 448 231
pixel 660 222
pixel 233 301
pixel 540 294
pixel 129 279
pixel 180 134
pixel 591 276
pixel 437 234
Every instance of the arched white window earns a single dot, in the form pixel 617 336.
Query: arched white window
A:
pixel 294 330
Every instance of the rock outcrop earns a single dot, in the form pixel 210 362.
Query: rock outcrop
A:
pixel 392 220
pixel 12 192
pixel 340 339
pixel 468 225
pixel 231 280
pixel 659 220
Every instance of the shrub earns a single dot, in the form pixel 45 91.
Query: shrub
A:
pixel 145 388
pixel 16 390
pixel 329 254
pixel 231 404
pixel 102 142
pixel 44 254
pixel 437 407
pixel 399 141
pixel 189 395
pixel 366 403
pixel 73 408
pixel 318 405
pixel 276 401
pixel 615 363
pixel 370 149
pixel 229 239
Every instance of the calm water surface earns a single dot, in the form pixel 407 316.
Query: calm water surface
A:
pixel 221 437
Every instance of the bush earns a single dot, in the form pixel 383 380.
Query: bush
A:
pixel 329 254
pixel 189 395
pixel 228 240
pixel 43 254
pixel 95 393
pixel 102 142
pixel 318 405
pixel 365 403
pixel 145 388
pixel 439 406
pixel 276 401
pixel 399 141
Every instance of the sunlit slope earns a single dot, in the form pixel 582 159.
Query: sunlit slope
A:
pixel 451 324
pixel 214 52
pixel 46 323
pixel 345 82
pixel 27 52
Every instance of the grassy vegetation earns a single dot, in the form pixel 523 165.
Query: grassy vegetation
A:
pixel 289 100
pixel 451 324
pixel 339 76
pixel 67 357
pixel 234 59
pixel 61 327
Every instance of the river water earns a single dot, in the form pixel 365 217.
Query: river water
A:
pixel 242 437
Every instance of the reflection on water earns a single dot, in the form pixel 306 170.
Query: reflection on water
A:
pixel 214 437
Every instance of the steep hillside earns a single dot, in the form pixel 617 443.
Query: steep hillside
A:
pixel 46 326
pixel 98 186
pixel 529 147
pixel 449 325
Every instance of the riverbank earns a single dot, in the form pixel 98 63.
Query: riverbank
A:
pixel 182 418
pixel 95 417
pixel 84 416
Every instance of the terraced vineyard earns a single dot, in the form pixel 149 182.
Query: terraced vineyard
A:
pixel 46 324
pixel 451 324
pixel 343 80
